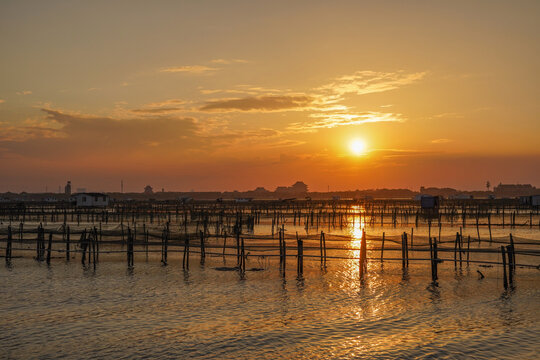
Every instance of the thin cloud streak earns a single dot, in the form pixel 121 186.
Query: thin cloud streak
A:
pixel 229 61
pixel 191 69
pixel 440 141
pixel 367 82
pixel 329 121
pixel 260 103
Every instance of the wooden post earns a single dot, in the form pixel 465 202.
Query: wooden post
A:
pixel 84 246
pixel 237 248
pixel 284 265
pixel 489 227
pixel 299 256
pixel 8 245
pixel 503 255
pixel 477 227
pixel 440 227
pixel 382 248
pixel 324 247
pixel 68 234
pixel 129 250
pixel 224 241
pixel 49 246
pixel 38 243
pixel 243 258
pixel 280 248
pixel 363 253
pixel 433 278
pixel 185 260
pixel 460 241
pixel 98 241
pixel 429 228
pixel 321 246
pixel 435 259
pixel 468 248
pixel 455 249
pixel 95 247
pixel 402 253
pixel 513 252
pixel 203 249
pixel 146 242
pixel 406 243
pixel 510 255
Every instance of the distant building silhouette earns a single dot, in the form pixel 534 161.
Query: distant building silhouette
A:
pixel 67 188
pixel 299 188
pixel 148 189
pixel 514 190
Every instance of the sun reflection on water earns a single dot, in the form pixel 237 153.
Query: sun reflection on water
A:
pixel 355 227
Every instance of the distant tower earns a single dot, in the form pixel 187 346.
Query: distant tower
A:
pixel 67 188
pixel 148 189
pixel 122 186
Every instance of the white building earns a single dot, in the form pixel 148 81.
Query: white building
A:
pixel 91 199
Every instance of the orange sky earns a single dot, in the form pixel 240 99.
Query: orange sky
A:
pixel 214 95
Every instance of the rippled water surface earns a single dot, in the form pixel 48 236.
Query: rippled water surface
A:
pixel 154 311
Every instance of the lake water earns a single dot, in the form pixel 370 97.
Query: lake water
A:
pixel 153 311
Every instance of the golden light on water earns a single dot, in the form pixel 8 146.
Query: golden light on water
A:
pixel 356 226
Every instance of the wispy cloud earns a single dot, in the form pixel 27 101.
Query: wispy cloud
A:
pixel 327 121
pixel 29 129
pixel 224 91
pixel 324 103
pixel 24 92
pixel 440 141
pixel 247 90
pixel 366 82
pixel 168 102
pixel 110 137
pixel 159 110
pixel 161 107
pixel 229 61
pixel 119 138
pixel 448 115
pixel 259 103
pixel 191 69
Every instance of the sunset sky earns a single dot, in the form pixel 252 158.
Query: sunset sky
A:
pixel 231 95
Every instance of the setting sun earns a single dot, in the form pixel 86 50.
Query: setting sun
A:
pixel 358 147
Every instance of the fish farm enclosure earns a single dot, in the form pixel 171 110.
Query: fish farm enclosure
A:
pixel 473 232
pixel 254 279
